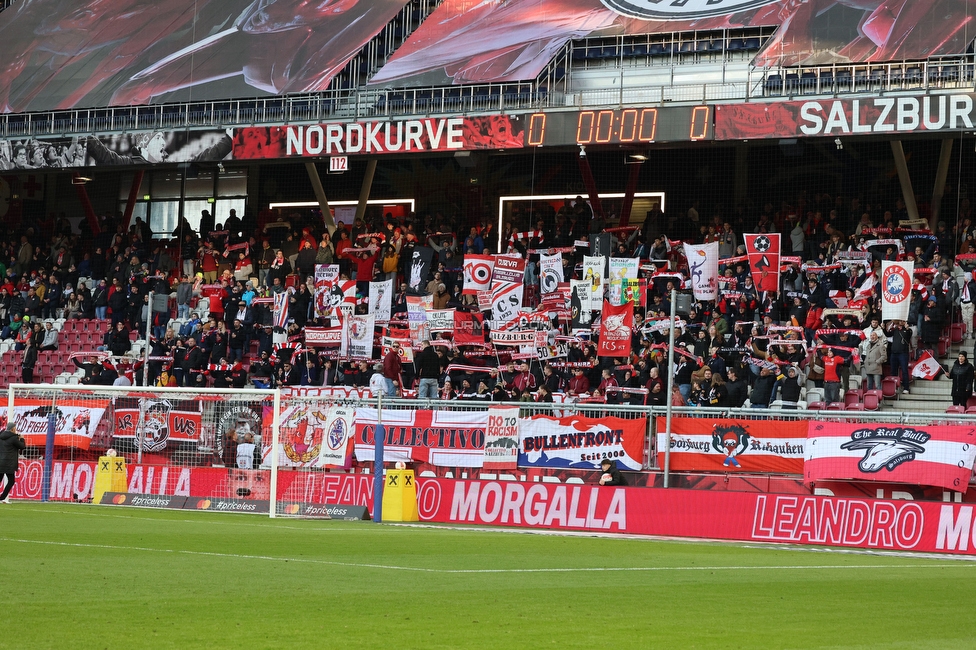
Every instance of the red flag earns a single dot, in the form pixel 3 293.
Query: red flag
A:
pixel 616 328
pixel 926 366
pixel 763 253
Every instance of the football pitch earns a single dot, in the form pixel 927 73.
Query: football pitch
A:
pixel 78 576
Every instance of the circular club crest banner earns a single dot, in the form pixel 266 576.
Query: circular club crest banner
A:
pixel 896 288
pixel 682 9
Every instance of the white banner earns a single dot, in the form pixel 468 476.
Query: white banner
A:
pixel 381 300
pixel 703 267
pixel 313 436
pixel 513 338
pixel 357 337
pixel 337 434
pixel 441 320
pixel 477 273
pixel 550 272
pixel 623 268
pixel 593 270
pixel 579 303
pixel 896 289
pixel 502 438
pixel 325 301
pixel 506 301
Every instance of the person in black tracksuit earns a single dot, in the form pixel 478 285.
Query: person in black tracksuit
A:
pixel 609 467
pixel 11 445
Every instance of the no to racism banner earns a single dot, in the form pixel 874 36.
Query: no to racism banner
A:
pixel 703 268
pixel 502 438
pixel 896 289
pixel 940 456
pixel 581 443
pixel 733 445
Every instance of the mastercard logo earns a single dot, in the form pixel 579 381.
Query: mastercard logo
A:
pixel 203 505
pixel 118 499
pixel 291 509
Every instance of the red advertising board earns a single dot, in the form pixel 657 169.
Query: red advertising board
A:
pixel 845 117
pixel 379 137
pixel 743 516
pixel 940 456
pixel 733 445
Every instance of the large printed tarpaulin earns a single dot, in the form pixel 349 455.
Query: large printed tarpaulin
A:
pixel 845 116
pixel 471 42
pixel 163 420
pixel 447 438
pixel 733 445
pixel 313 435
pixel 710 514
pixel 502 438
pixel 580 442
pixel 132 52
pixel 940 456
pixel 75 421
pixel 477 273
pixel 616 330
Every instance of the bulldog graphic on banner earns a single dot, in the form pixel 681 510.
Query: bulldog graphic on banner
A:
pixel 703 267
pixel 764 251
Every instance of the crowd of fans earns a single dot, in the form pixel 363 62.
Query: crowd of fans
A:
pixel 823 325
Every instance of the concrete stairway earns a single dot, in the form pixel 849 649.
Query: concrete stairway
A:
pixel 931 396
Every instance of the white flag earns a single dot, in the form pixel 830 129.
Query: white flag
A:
pixel 551 271
pixel 896 289
pixel 703 267
pixel 381 300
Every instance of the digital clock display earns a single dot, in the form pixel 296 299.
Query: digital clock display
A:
pixel 620 126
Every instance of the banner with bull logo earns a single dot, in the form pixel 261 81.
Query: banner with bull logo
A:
pixel 940 456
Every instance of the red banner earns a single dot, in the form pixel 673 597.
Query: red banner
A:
pixel 616 329
pixel 379 137
pixel 743 516
pixel 844 117
pixel 468 328
pixel 75 421
pixel 162 423
pixel 763 251
pixel 937 456
pixel 733 445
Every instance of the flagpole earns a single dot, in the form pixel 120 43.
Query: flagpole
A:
pixel 670 403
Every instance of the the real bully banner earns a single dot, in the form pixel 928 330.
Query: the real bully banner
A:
pixel 939 456
pixel 580 442
pixel 733 445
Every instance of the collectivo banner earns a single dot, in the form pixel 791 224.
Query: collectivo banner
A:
pixel 922 526
pixel 844 117
pixel 447 438
pixel 163 420
pixel 581 443
pixel 939 456
pixel 379 137
pixel 732 445
pixel 75 422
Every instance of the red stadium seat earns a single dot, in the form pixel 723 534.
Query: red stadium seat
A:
pixel 815 406
pixel 971 401
pixel 855 407
pixel 889 387
pixel 956 409
pixel 835 406
pixel 852 396
pixel 956 332
pixel 943 346
pixel 971 409
pixel 872 402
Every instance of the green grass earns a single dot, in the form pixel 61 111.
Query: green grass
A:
pixel 75 576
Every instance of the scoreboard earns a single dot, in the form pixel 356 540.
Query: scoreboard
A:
pixel 619 126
